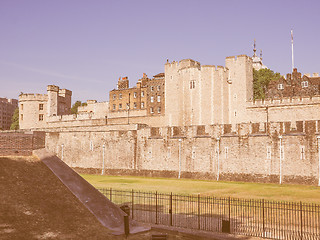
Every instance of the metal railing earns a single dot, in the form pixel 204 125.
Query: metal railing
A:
pixel 259 218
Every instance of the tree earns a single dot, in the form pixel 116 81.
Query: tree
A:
pixel 15 120
pixel 74 108
pixel 261 80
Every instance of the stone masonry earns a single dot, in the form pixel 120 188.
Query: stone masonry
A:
pixel 248 152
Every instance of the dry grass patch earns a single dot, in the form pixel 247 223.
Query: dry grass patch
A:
pixel 276 192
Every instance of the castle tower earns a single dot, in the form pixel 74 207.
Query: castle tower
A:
pixel 240 78
pixel 52 106
pixel 64 101
pixel 195 94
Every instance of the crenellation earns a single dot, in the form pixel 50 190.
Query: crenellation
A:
pixel 208 66
pixel 52 88
pixel 33 96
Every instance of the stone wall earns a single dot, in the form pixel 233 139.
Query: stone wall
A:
pixel 285 109
pixel 245 152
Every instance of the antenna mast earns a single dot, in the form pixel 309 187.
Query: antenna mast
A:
pixel 292 49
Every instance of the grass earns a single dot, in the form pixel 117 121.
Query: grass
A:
pixel 275 192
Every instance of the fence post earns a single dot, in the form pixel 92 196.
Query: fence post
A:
pixel 156 207
pixel 132 199
pixel 126 225
pixel 170 210
pixel 263 227
pixel 229 210
pixel 301 219
pixel 199 211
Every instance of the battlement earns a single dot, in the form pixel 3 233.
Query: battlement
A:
pixel 186 63
pixel 312 76
pixel 284 101
pixel 64 92
pixel 208 66
pixel 273 129
pixel 91 101
pixel 237 58
pixel 52 88
pixel 33 97
pixel 71 117
pixel 214 67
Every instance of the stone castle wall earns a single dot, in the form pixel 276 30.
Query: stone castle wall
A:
pixel 285 109
pixel 246 152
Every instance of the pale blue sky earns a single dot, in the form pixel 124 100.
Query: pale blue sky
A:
pixel 85 46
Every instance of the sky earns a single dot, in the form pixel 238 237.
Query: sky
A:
pixel 85 46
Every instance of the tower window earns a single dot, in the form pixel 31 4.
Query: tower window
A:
pixel 268 152
pixel 280 86
pixel 302 153
pixel 192 84
pixel 304 84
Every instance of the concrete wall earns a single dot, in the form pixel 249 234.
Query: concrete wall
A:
pixel 246 152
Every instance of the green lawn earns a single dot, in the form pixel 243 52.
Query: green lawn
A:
pixel 310 194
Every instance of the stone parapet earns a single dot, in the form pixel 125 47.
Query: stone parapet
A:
pixel 33 97
pixel 284 101
pixel 52 88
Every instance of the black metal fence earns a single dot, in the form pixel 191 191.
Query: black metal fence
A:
pixel 260 218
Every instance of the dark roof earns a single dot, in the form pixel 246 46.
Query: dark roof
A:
pixel 315 80
pixel 159 75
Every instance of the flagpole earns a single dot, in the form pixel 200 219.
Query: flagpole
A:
pixel 292 49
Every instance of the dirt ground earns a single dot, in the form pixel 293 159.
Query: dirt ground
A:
pixel 34 204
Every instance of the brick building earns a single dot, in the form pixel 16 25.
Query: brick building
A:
pixel 294 85
pixel 148 95
pixel 155 95
pixel 7 107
